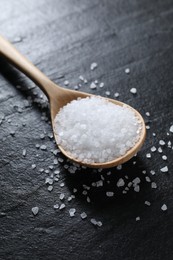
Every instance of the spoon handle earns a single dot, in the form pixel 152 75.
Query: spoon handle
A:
pixel 8 51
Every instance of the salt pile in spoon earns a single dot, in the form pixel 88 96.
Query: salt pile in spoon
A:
pixel 94 130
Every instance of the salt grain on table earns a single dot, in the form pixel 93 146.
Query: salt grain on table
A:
pixel 35 210
pixel 164 169
pixel 164 207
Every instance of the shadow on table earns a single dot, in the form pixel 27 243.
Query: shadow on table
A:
pixel 24 86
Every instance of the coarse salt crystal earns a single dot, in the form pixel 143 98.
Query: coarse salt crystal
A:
pixel 56 206
pixel 101 85
pixel 109 193
pixel 66 82
pixel 147 203
pixel 164 157
pixel 116 95
pixel 83 215
pixel 161 142
pixel 138 218
pixel 133 90
pixel 35 210
pixel 120 182
pixel 164 169
pixel 24 152
pixel 148 155
pixel 62 206
pixel 171 129
pixel 93 85
pixel 153 185
pixel 72 212
pixel 93 66
pixel 153 149
pixel 127 70
pixel 164 207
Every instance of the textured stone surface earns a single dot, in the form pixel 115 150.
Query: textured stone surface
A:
pixel 63 38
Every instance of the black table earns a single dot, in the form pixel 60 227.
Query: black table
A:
pixel 63 38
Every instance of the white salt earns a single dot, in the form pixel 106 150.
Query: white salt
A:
pixel 93 85
pixel 83 215
pixel 164 207
pixel 164 157
pixel 62 206
pixel 120 182
pixel 133 90
pixel 147 203
pixel 101 85
pixel 138 218
pixel 35 210
pixel 153 149
pixel 56 206
pixel 171 129
pixel 72 212
pixel 109 193
pixel 93 66
pixel 164 169
pixel 161 142
pixel 127 70
pixel 96 130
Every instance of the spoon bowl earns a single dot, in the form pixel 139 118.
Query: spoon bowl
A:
pixel 59 97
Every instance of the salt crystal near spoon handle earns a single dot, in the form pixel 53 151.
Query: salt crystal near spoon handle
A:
pixel 59 97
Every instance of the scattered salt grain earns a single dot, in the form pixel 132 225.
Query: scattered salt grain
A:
pixel 171 129
pixel 95 130
pixel 153 185
pixel 164 169
pixel 133 90
pixel 153 149
pixel 33 166
pixel 138 218
pixel 93 85
pixel 35 210
pixel 147 203
pixel 148 155
pixel 83 215
pixel 147 179
pixel 81 78
pixel 101 85
pixel 127 70
pixel 62 206
pixel 88 199
pixel 116 95
pixel 50 188
pixel 164 157
pixel 72 212
pixel 160 150
pixel 61 196
pixel 43 147
pixel 24 152
pixel 161 142
pixel 62 184
pixel 107 93
pixel 137 188
pixel 120 182
pixel 109 193
pixel 93 66
pixel 93 221
pixel 152 172
pixel 147 113
pixel 164 207
pixel 56 206
pixel 66 82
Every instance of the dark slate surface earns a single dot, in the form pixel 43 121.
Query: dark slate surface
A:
pixel 63 38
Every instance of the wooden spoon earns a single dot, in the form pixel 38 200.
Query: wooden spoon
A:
pixel 59 97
